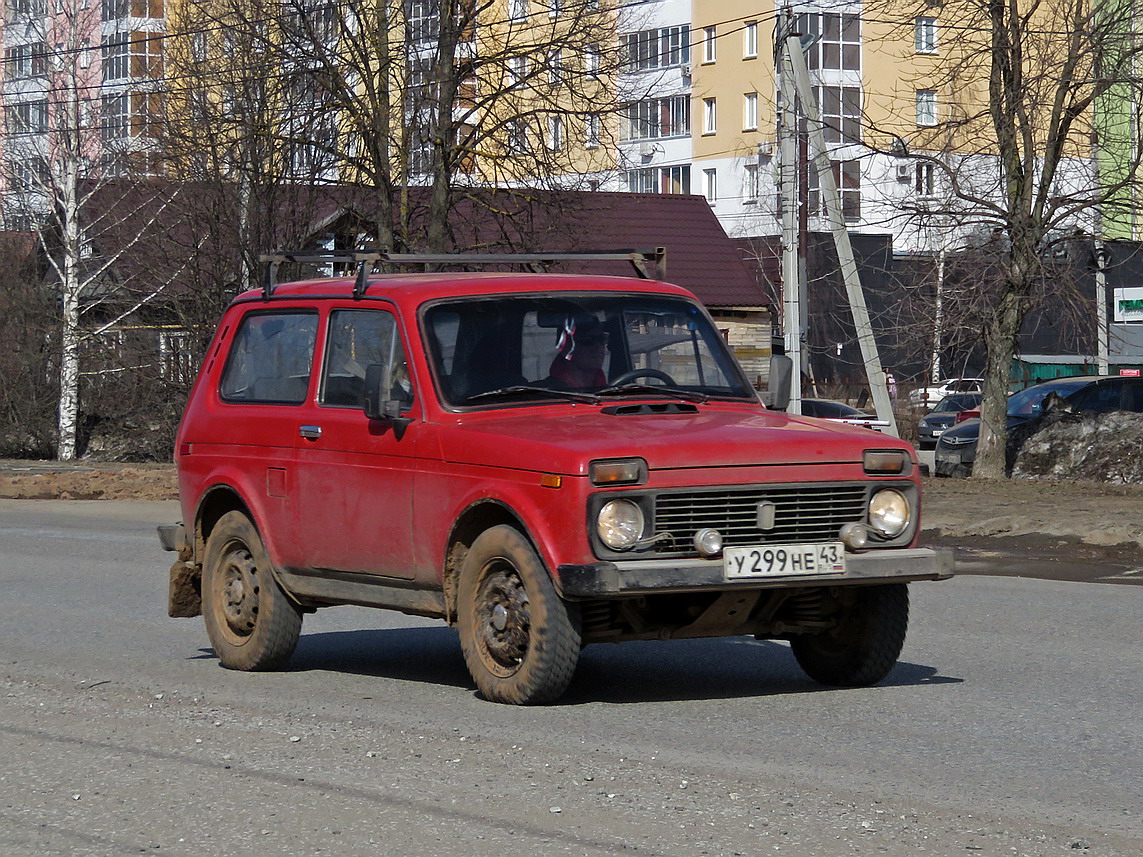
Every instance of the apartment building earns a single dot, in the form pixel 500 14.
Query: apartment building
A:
pixel 82 89
pixel 692 108
pixel 710 127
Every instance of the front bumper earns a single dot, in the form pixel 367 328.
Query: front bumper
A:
pixel 653 577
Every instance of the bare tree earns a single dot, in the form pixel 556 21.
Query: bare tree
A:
pixel 1032 140
pixel 81 139
pixel 413 101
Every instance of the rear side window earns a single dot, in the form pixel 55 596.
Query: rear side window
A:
pixel 270 358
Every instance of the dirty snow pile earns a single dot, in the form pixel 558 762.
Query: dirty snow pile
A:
pixel 1100 447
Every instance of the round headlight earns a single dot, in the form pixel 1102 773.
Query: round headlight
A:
pixel 889 512
pixel 620 524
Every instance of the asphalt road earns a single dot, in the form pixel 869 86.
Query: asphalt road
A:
pixel 1010 727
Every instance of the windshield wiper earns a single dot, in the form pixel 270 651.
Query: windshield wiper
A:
pixel 528 390
pixel 672 392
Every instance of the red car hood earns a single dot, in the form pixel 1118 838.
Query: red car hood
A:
pixel 564 439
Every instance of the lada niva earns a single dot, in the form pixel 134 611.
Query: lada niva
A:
pixel 544 461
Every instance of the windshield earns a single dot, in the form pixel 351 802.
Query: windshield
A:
pixel 959 402
pixel 579 347
pixel 1027 403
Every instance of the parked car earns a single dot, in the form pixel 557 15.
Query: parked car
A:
pixel 929 396
pixel 956 448
pixel 543 461
pixel 827 409
pixel 943 416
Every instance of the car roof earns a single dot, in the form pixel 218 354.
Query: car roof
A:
pixel 416 289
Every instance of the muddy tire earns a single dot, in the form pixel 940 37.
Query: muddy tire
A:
pixel 520 640
pixel 251 623
pixel 866 641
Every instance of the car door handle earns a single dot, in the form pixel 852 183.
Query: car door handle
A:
pixel 310 432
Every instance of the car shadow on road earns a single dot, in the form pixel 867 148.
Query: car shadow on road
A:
pixel 720 668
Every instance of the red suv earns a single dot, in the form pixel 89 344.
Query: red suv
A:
pixel 544 461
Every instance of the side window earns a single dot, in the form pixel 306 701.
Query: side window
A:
pixel 1099 398
pixel 270 358
pixel 357 340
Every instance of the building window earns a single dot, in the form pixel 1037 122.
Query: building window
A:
pixel 146 114
pixel 659 48
pixel 114 117
pixel 709 42
pixel 116 52
pixel 555 133
pixel 847 175
pixel 556 67
pixel 710 185
pixel 750 40
pixel 517 9
pixel 750 183
pixel 925 37
pixel 658 117
pixel 31 174
pixel 199 46
pixel 27 60
pixel 146 56
pixel 30 117
pixel 591 131
pixel 750 111
pixel 113 10
pixel 20 8
pixel 517 70
pixel 839 41
pixel 709 116
pixel 926 107
pixel 591 61
pixel 422 19
pixel 925 183
pixel 841 113
pixel 517 137
pixel 660 180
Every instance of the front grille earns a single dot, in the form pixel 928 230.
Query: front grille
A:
pixel 802 514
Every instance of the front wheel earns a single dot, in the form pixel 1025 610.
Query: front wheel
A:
pixel 866 641
pixel 520 640
pixel 251 622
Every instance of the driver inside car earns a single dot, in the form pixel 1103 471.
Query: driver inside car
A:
pixel 578 365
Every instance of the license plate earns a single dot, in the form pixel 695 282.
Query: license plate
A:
pixel 947 458
pixel 784 560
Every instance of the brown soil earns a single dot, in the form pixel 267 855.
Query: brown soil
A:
pixel 46 480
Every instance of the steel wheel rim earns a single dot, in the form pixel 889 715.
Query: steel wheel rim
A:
pixel 237 593
pixel 503 619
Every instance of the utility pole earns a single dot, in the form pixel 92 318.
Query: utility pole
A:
pixel 1101 334
pixel 788 192
pixel 793 67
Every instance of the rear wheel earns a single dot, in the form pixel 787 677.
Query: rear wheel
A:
pixel 520 640
pixel 865 643
pixel 251 622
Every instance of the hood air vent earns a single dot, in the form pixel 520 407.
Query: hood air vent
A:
pixel 652 408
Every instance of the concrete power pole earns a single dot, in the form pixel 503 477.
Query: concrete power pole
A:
pixel 793 66
pixel 792 286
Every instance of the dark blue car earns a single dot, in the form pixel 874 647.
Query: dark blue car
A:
pixel 956 448
pixel 941 418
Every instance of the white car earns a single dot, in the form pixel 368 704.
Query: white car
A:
pixel 840 412
pixel 929 396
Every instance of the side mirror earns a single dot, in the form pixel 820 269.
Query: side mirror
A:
pixel 380 403
pixel 778 387
pixel 376 391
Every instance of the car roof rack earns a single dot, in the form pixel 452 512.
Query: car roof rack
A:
pixel 537 262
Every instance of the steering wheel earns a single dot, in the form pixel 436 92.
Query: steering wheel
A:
pixel 628 377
